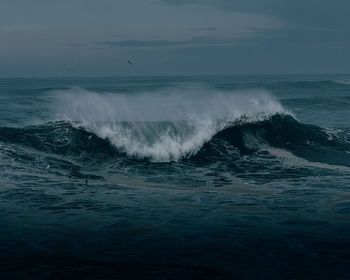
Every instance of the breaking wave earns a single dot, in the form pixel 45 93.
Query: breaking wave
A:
pixel 194 124
pixel 243 137
pixel 163 126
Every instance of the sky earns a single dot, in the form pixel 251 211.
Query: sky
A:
pixel 40 38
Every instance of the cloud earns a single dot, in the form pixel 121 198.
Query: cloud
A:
pixel 297 36
pixel 321 13
pixel 175 36
pixel 312 22
pixel 195 41
pixel 206 28
pixel 73 44
pixel 141 43
pixel 20 28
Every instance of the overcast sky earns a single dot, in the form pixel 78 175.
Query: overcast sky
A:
pixel 173 37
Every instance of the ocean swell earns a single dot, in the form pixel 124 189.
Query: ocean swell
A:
pixel 163 126
pixel 238 138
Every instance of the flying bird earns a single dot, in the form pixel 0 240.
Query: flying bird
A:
pixel 130 62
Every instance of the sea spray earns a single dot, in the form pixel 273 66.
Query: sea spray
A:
pixel 162 125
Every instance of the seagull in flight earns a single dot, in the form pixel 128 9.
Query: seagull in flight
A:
pixel 130 62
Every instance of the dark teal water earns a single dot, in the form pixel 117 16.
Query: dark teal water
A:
pixel 175 178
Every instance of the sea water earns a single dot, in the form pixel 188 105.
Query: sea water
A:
pixel 228 177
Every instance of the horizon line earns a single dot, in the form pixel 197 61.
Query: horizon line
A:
pixel 168 75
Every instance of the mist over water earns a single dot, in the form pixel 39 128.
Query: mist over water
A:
pixel 163 125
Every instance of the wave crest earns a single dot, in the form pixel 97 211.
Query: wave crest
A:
pixel 167 125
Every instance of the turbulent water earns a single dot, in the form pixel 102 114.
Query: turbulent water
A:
pixel 168 178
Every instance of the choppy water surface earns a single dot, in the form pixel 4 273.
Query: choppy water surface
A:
pixel 168 178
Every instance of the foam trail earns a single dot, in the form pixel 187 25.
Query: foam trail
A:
pixel 163 126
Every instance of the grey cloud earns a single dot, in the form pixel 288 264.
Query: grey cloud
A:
pixel 141 43
pixel 206 29
pixel 73 44
pixel 311 12
pixel 242 36
pixel 195 41
pixel 300 36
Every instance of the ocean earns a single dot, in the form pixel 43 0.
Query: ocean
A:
pixel 213 177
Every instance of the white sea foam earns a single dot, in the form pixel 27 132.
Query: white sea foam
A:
pixel 292 160
pixel 162 125
pixel 342 81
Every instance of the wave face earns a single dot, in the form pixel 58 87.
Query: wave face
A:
pixel 58 137
pixel 163 126
pixel 242 137
pixel 282 131
pixel 186 123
